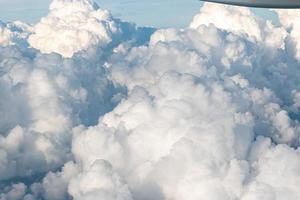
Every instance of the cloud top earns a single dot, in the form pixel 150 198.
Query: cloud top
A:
pixel 72 26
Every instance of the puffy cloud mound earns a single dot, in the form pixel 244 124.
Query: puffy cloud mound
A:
pixel 240 21
pixel 12 33
pixel 290 20
pixel 43 96
pixel 105 184
pixel 93 108
pixel 42 99
pixel 72 26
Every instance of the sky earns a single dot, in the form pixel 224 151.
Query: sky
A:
pixel 154 13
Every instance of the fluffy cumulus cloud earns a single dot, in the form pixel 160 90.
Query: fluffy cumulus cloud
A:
pixel 93 107
pixel 72 26
pixel 14 33
pixel 289 19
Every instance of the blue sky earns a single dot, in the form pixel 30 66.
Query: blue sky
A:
pixel 157 13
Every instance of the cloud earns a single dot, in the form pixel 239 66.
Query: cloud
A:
pixel 106 184
pixel 208 111
pixel 240 20
pixel 15 192
pixel 43 97
pixel 72 26
pixel 12 33
pixel 289 18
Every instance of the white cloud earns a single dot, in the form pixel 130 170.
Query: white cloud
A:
pixel 99 182
pixel 240 21
pixel 210 111
pixel 289 19
pixel 72 26
pixel 13 33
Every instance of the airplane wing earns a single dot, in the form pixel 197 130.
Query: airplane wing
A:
pixel 261 3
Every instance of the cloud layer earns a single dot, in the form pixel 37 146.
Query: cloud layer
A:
pixel 95 108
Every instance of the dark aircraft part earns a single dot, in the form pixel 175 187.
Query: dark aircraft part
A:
pixel 292 4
